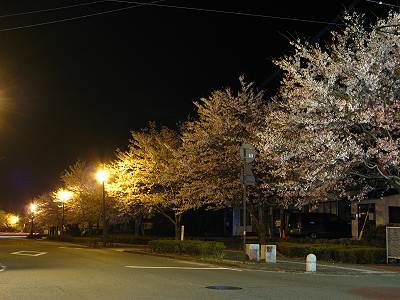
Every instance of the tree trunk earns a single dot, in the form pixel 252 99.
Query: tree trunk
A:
pixel 178 218
pixel 282 233
pixel 138 223
pixel 258 221
pixel 142 228
pixel 269 228
pixel 262 228
pixel 176 222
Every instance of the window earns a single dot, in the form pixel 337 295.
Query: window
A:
pixel 394 214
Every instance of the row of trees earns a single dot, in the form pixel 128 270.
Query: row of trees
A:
pixel 331 131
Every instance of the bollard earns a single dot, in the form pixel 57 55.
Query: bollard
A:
pixel 311 263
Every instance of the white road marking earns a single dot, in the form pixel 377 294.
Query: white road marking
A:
pixel 185 268
pixel 71 247
pixel 2 267
pixel 29 253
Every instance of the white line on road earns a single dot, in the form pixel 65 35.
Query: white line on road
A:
pixel 185 268
pixel 2 268
pixel 72 248
pixel 29 253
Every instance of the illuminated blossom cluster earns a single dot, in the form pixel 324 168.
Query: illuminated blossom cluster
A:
pixel 337 111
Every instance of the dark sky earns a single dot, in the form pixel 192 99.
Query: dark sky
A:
pixel 74 90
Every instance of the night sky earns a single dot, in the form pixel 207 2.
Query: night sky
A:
pixel 74 90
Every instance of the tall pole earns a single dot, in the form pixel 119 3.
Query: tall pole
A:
pixel 31 233
pixel 244 220
pixel 247 154
pixel 62 220
pixel 104 217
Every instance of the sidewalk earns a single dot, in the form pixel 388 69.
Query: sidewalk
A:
pixel 234 258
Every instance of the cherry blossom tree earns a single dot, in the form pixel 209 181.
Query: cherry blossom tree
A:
pixel 146 178
pixel 48 213
pixel 210 152
pixel 85 207
pixel 335 119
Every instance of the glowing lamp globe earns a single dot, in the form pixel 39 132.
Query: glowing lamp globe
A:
pixel 101 176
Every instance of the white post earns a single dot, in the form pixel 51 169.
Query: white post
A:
pixel 182 232
pixel 311 263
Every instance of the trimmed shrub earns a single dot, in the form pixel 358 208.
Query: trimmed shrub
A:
pixel 189 247
pixel 112 238
pixel 130 239
pixel 335 252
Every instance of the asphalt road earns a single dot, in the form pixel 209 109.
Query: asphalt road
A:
pixel 64 271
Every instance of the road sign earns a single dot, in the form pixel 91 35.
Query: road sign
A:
pixel 247 153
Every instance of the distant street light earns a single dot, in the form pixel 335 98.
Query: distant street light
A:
pixel 63 196
pixel 12 220
pixel 33 209
pixel 101 177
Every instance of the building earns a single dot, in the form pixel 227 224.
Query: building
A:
pixel 368 214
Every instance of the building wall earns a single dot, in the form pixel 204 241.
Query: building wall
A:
pixel 237 222
pixel 381 211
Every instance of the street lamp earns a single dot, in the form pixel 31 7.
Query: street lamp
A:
pixel 33 209
pixel 63 196
pixel 101 177
pixel 13 220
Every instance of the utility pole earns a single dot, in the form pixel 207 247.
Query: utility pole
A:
pixel 31 233
pixel 62 220
pixel 101 177
pixel 244 219
pixel 104 216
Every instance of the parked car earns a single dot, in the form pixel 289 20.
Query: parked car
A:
pixel 318 225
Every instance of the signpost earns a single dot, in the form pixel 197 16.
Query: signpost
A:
pixel 247 154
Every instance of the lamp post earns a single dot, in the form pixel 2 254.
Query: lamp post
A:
pixel 33 210
pixel 63 196
pixel 101 177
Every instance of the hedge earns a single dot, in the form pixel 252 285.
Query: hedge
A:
pixel 335 252
pixel 130 239
pixel 189 247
